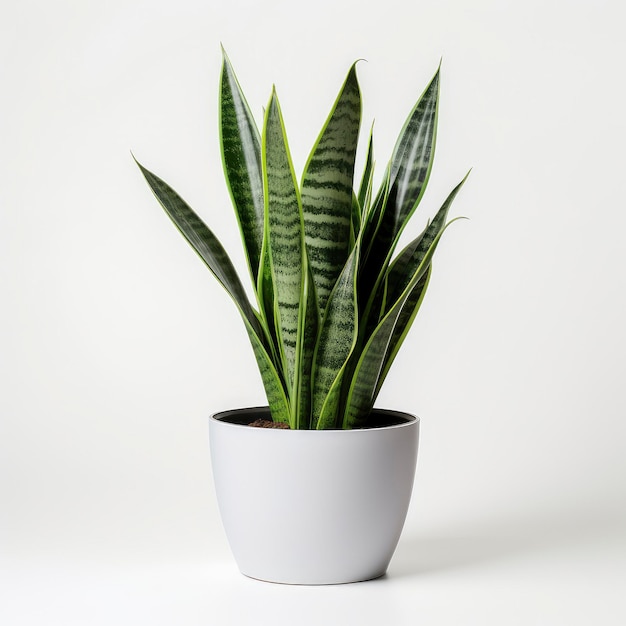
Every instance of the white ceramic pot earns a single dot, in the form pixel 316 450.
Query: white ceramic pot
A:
pixel 313 507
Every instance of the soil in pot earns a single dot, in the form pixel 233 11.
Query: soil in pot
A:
pixel 261 423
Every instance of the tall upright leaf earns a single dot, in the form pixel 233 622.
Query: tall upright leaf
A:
pixel 327 189
pixel 365 187
pixel 411 162
pixel 295 314
pixel 409 170
pixel 337 337
pixel 364 385
pixel 241 157
pixel 308 327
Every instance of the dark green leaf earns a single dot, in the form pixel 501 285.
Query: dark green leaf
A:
pixel 327 190
pixel 337 338
pixel 241 156
pixel 411 164
pixel 365 188
pixel 364 383
pixel 216 259
pixel 403 267
pixel 403 325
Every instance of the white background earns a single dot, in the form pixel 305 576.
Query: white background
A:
pixel 116 342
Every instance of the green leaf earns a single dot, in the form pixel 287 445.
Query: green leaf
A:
pixel 365 188
pixel 327 189
pixel 211 251
pixel 364 383
pixel 338 334
pixel 403 267
pixel 241 157
pixel 309 323
pixel 265 295
pixel 355 225
pixel 399 276
pixel 411 163
pixel 403 325
pixel 204 242
pixel 372 218
pixel 409 170
pixel 272 382
pixel 295 308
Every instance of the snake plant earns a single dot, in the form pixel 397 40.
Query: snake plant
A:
pixel 333 300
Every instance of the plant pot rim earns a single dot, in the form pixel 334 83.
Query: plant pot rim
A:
pixel 237 418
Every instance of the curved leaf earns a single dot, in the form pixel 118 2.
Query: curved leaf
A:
pixel 272 383
pixel 364 383
pixel 211 251
pixel 403 325
pixel 204 242
pixel 402 268
pixel 241 157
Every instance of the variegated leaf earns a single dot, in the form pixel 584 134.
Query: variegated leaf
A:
pixel 365 188
pixel 272 382
pixel 403 325
pixel 364 383
pixel 204 242
pixel 327 190
pixel 338 333
pixel 295 314
pixel 402 268
pixel 411 163
pixel 355 223
pixel 309 323
pixel 409 170
pixel 210 250
pixel 241 157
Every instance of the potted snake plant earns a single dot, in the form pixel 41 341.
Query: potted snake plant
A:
pixel 320 494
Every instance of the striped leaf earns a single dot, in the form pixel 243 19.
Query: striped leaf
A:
pixel 365 188
pixel 327 189
pixel 309 323
pixel 204 242
pixel 265 296
pixel 294 311
pixel 336 341
pixel 401 270
pixel 355 224
pixel 368 274
pixel 399 275
pixel 411 163
pixel 216 259
pixel 371 224
pixel 241 157
pixel 364 384
pixel 272 382
pixel 409 170
pixel 403 325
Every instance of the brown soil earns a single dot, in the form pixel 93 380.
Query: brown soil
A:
pixel 260 423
